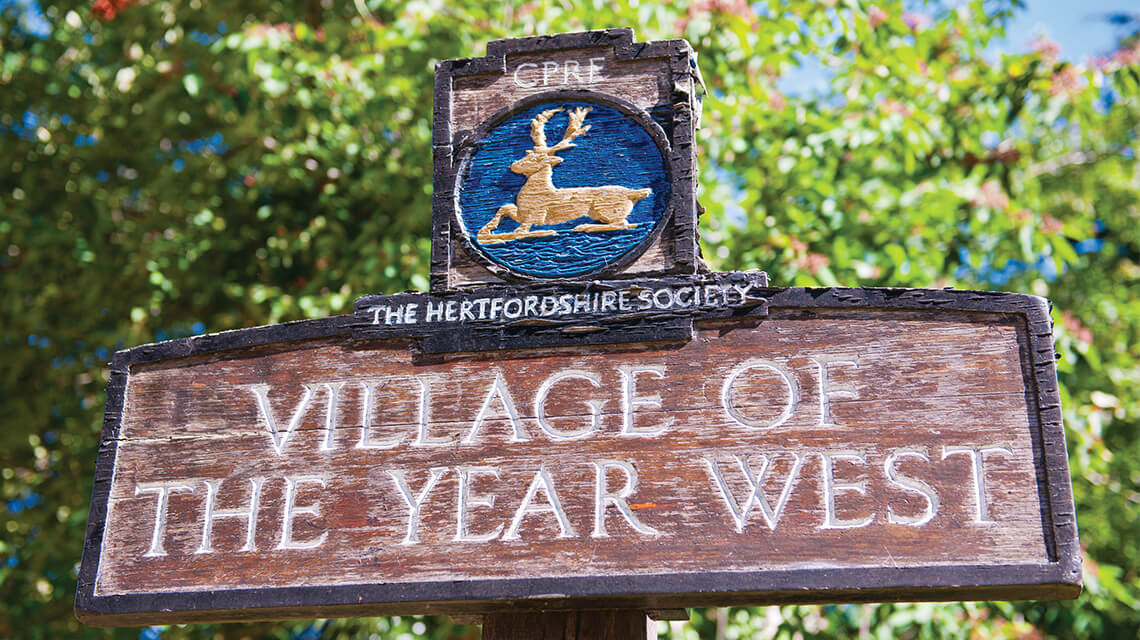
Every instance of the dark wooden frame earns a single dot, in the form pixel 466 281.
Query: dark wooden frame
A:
pixel 678 224
pixel 675 325
pixel 1058 578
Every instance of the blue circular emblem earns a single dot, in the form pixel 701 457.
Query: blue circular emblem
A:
pixel 562 189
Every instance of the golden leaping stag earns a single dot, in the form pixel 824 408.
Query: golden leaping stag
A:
pixel 540 203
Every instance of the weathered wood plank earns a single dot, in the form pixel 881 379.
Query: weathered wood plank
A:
pixel 495 318
pixel 868 475
pixel 645 83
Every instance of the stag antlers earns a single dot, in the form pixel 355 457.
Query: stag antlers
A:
pixel 573 129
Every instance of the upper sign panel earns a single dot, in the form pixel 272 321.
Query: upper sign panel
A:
pixel 565 156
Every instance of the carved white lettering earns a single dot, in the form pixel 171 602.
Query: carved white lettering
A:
pixel 826 390
pixel 423 416
pixel 499 390
pixel 756 492
pixel 604 497
pixel 515 312
pixel 549 306
pixel 742 291
pixel 567 72
pixel 582 303
pixel 548 67
pixel 609 301
pixel 291 511
pixel 261 393
pixel 685 302
pixel 977 457
pixel 393 315
pixel 711 289
pixel 212 513
pixel 366 411
pixel 553 73
pixel 594 405
pixel 831 487
pixel 461 310
pixel 414 502
pixel 910 484
pixel 630 401
pixel 644 299
pixel 519 69
pixel 465 500
pixel 163 490
pixel 594 69
pixel 623 301
pixel 729 404
pixel 553 505
pixel 333 390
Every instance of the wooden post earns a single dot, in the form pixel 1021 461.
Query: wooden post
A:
pixel 622 624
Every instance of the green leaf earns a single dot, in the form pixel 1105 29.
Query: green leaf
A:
pixel 193 83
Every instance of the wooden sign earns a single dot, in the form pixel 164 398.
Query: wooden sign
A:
pixel 580 144
pixel 853 445
pixel 578 415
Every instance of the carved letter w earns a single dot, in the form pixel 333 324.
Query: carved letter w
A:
pixel 755 493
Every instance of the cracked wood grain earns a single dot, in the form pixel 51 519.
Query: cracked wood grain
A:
pixel 906 408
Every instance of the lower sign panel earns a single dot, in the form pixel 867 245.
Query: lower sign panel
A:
pixel 846 448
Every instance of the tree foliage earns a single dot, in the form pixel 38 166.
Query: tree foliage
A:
pixel 174 167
